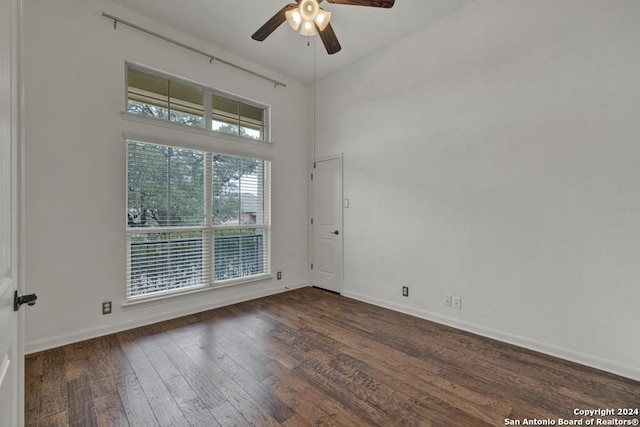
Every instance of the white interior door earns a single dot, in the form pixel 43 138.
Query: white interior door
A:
pixel 326 224
pixel 10 352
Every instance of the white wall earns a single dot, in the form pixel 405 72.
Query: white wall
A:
pixel 75 166
pixel 495 156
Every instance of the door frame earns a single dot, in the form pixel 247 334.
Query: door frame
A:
pixel 18 162
pixel 20 200
pixel 312 164
pixel 12 115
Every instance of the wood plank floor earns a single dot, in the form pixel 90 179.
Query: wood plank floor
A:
pixel 303 358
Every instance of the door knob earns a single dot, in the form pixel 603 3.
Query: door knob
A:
pixel 18 300
pixel 335 232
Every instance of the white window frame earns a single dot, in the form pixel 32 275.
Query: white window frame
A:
pixel 207 101
pixel 208 229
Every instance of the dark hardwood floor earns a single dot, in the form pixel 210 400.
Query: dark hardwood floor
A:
pixel 308 357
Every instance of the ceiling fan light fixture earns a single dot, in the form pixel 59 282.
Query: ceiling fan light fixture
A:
pixel 309 9
pixel 308 29
pixel 294 18
pixel 322 19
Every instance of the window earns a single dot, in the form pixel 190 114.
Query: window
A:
pixel 235 117
pixel 154 95
pixel 194 219
pixel 150 95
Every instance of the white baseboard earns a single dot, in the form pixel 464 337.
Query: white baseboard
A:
pixel 549 349
pixel 82 335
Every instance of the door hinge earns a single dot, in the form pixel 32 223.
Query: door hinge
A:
pixel 311 221
pixel 312 266
pixel 311 177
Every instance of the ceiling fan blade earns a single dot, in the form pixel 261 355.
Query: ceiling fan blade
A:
pixel 329 39
pixel 272 24
pixel 370 3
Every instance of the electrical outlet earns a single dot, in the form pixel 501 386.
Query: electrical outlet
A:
pixel 457 303
pixel 106 307
pixel 447 301
pixel 279 275
pixel 405 291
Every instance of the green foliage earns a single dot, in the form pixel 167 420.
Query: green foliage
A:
pixel 237 130
pixel 149 110
pixel 166 186
pixel 227 174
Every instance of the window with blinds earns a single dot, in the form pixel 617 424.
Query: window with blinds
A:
pixel 162 97
pixel 236 117
pixel 194 219
pixel 159 97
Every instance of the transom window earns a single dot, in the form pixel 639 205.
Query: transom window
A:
pixel 163 97
pixel 194 219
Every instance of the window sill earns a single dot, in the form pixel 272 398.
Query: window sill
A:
pixel 192 129
pixel 175 294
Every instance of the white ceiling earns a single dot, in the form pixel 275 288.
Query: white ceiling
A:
pixel 229 24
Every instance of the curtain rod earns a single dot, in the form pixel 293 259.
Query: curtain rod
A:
pixel 211 57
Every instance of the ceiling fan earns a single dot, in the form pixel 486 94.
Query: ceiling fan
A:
pixel 311 19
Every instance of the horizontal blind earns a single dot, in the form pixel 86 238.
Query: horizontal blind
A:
pixel 168 243
pixel 240 217
pixel 159 262
pixel 233 116
pixel 186 99
pixel 167 98
pixel 165 185
pixel 147 88
pixel 240 253
pixel 163 98
pixel 174 241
